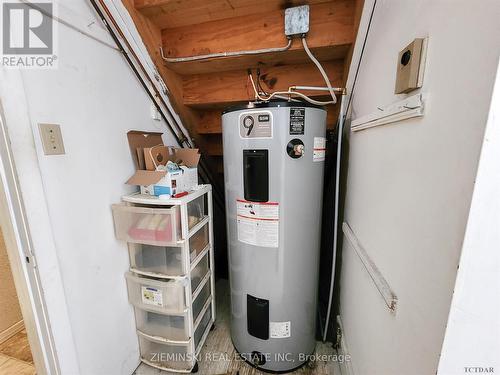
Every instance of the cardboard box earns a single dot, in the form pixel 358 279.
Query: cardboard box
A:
pixel 148 152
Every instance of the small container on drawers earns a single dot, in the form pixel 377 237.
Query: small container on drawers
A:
pixel 167 296
pixel 199 272
pixel 199 241
pixel 196 211
pixel 202 327
pixel 164 260
pixel 154 226
pixel 166 355
pixel 171 327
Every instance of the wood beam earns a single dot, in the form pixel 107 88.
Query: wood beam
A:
pixel 151 37
pixel 206 90
pixel 176 13
pixel 210 121
pixel 330 37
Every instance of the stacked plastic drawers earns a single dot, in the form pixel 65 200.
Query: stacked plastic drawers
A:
pixel 171 278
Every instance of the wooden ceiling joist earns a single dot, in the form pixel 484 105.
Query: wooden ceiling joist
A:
pixel 177 13
pixel 330 36
pixel 229 87
pixel 210 121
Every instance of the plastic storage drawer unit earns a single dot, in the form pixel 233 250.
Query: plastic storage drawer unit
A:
pixel 170 327
pixel 202 327
pixel 163 260
pixel 199 241
pixel 154 226
pixel 199 272
pixel 167 296
pixel 196 211
pixel 166 355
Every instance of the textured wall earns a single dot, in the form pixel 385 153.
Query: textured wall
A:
pixel 10 313
pixel 410 183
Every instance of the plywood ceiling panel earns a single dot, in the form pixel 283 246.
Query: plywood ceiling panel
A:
pixel 177 13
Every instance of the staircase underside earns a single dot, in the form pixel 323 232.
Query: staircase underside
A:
pixel 199 90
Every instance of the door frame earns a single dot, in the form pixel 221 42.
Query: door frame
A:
pixel 14 226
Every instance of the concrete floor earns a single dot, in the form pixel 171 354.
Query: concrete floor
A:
pixel 218 345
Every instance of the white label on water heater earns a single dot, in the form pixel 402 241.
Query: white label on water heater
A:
pixel 280 330
pixel 258 223
pixel 319 149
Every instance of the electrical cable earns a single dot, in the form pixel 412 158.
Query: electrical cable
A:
pixel 266 97
pixel 320 68
pixel 289 93
pixel 225 54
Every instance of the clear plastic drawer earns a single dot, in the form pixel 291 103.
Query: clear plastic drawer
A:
pixel 201 299
pixel 202 327
pixel 199 241
pixel 164 260
pixel 166 355
pixel 199 272
pixel 171 327
pixel 154 226
pixel 196 211
pixel 168 296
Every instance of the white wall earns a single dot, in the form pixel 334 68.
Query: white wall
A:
pixel 10 312
pixel 96 99
pixel 473 333
pixel 410 184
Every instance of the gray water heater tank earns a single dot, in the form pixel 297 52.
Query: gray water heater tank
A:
pixel 273 170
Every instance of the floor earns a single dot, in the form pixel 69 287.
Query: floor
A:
pixel 15 356
pixel 218 345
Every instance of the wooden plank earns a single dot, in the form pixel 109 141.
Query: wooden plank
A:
pixel 210 121
pixel 330 36
pixel 259 61
pixel 177 13
pixel 233 86
pixel 17 347
pixel 151 37
pixel 214 145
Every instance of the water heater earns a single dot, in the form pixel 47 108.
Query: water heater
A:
pixel 273 170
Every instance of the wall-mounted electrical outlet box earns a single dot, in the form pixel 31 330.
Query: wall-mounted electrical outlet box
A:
pixel 297 20
pixel 52 140
pixel 411 63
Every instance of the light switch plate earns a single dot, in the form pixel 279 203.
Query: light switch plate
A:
pixel 410 66
pixel 52 140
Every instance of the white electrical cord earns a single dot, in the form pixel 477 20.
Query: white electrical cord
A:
pixel 291 91
pixel 321 70
pixel 225 54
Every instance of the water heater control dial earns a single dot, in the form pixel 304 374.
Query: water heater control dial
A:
pixel 295 148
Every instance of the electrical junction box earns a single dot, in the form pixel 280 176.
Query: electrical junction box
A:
pixel 410 66
pixel 297 20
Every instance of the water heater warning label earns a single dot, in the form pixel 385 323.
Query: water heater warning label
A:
pixel 279 330
pixel 297 121
pixel 319 149
pixel 258 223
